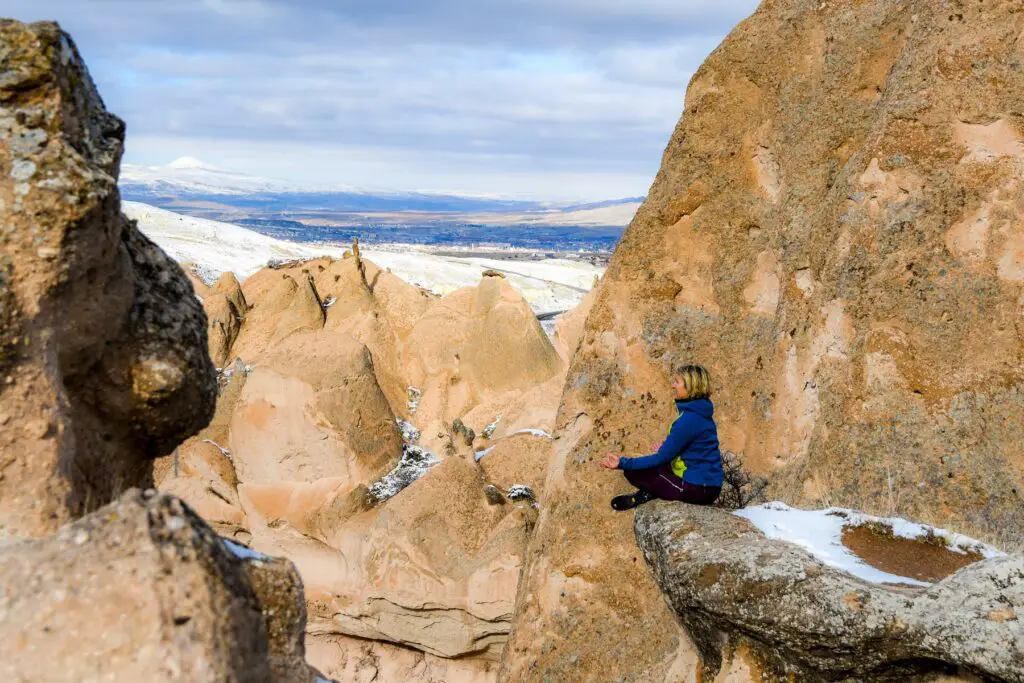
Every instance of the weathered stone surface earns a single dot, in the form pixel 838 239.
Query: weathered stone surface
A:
pixel 225 321
pixel 143 590
pixel 370 661
pixel 835 233
pixel 728 583
pixel 422 585
pixel 438 577
pixel 103 360
pixel 279 590
pixel 312 409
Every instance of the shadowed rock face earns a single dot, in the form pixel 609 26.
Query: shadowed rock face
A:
pixel 732 586
pixel 103 360
pixel 143 590
pixel 835 232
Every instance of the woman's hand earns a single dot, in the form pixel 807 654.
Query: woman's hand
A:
pixel 610 461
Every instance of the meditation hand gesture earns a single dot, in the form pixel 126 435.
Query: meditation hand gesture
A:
pixel 610 462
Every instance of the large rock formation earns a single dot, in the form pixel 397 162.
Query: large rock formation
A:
pixel 143 590
pixel 836 232
pixel 410 547
pixel 104 367
pixel 725 580
pixel 103 349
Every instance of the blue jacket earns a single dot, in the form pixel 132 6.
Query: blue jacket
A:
pixel 693 439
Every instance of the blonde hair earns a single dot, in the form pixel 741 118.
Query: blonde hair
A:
pixel 696 380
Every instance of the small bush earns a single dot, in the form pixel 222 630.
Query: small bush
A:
pixel 932 538
pixel 740 488
pixel 879 529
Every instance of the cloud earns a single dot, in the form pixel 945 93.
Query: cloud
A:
pixel 579 94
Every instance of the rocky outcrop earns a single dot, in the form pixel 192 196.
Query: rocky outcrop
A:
pixel 352 659
pixel 835 233
pixel 439 578
pixel 104 367
pixel 334 444
pixel 312 409
pixel 103 348
pixel 724 580
pixel 479 355
pixel 143 590
pixel 225 308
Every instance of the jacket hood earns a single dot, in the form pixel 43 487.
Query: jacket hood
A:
pixel 701 406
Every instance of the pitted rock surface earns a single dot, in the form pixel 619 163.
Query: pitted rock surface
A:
pixel 103 348
pixel 837 233
pixel 143 590
pixel 728 583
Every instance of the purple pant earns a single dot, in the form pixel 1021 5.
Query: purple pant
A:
pixel 663 483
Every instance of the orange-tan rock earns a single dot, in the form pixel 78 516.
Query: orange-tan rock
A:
pixel 304 457
pixel 834 233
pixel 143 590
pixel 103 348
pixel 105 367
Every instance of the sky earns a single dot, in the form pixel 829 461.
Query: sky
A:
pixel 538 99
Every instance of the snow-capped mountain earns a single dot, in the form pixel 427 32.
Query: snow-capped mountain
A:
pixel 189 175
pixel 191 179
pixel 213 247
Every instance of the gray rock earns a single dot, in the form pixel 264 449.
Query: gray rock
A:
pixel 461 429
pixel 730 584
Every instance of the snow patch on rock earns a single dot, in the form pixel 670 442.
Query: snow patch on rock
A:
pixel 488 431
pixel 479 455
pixel 414 399
pixel 241 552
pixel 410 434
pixel 820 532
pixel 416 461
pixel 533 431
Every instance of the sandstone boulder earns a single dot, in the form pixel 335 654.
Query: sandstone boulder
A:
pixel 200 472
pixel 143 590
pixel 834 233
pixel 381 314
pixel 478 354
pixel 288 305
pixel 103 347
pixel 225 321
pixel 520 459
pixel 436 577
pixel 360 299
pixel 731 587
pixel 312 409
pixel 228 285
pixel 225 308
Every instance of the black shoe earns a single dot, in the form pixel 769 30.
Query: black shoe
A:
pixel 628 501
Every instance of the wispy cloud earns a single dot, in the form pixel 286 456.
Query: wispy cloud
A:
pixel 548 98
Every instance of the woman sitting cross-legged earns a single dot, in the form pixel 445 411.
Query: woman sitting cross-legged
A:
pixel 688 465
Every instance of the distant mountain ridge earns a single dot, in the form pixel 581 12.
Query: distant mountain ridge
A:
pixel 191 179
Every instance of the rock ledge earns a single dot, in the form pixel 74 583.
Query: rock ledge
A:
pixel 731 587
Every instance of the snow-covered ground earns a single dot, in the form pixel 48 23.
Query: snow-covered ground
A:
pixel 616 214
pixel 215 247
pixel 820 532
pixel 193 178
